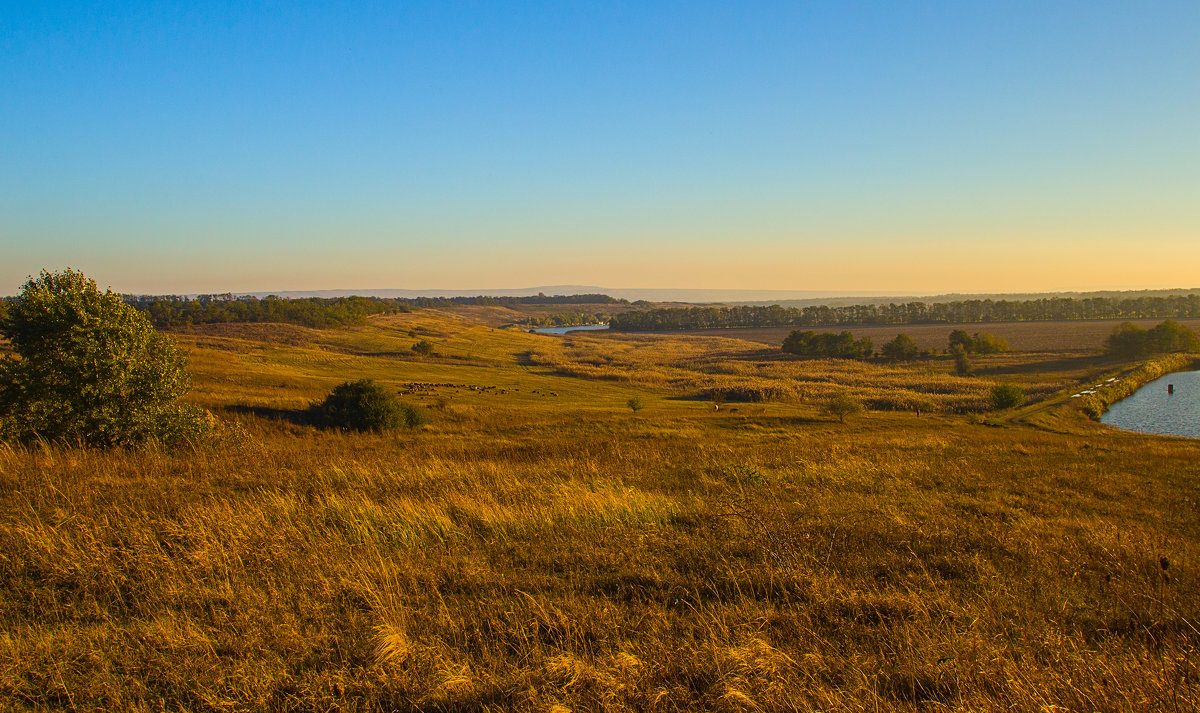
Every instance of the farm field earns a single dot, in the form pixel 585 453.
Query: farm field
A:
pixel 1070 335
pixel 542 546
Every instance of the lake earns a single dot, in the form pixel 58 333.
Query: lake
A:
pixel 564 330
pixel 1152 410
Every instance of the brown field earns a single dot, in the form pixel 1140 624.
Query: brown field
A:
pixel 1072 335
pixel 539 546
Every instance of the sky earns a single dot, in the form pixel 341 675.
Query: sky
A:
pixel 845 147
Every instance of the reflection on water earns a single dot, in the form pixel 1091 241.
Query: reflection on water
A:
pixel 1153 410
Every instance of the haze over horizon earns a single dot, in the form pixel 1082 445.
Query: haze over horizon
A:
pixel 848 149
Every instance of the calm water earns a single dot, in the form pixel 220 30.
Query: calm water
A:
pixel 564 330
pixel 1152 410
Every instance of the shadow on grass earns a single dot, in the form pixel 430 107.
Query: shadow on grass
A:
pixel 292 416
pixel 1082 363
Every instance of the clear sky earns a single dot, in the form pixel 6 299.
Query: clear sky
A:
pixel 898 147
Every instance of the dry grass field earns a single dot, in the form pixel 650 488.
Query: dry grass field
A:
pixel 540 546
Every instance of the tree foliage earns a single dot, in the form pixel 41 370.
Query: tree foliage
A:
pixel 902 348
pixel 962 363
pixel 89 369
pixel 842 406
pixel 1006 396
pixel 981 343
pixel 1130 341
pixel 364 405
pixel 827 344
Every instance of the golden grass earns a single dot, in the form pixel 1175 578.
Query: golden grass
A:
pixel 536 552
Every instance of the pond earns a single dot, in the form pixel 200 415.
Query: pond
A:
pixel 1154 409
pixel 564 330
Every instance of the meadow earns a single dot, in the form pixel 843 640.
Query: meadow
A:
pixel 541 546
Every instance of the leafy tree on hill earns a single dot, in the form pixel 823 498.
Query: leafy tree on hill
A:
pixel 89 369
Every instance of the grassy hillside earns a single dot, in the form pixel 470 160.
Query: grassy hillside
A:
pixel 540 546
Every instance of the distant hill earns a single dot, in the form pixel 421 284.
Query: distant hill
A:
pixel 786 298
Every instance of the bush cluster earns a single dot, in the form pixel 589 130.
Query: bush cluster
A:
pixel 1130 341
pixel 364 405
pixel 838 345
pixel 980 343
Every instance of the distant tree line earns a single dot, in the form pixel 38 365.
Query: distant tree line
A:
pixel 172 311
pixel 565 319
pixel 958 312
pixel 169 311
pixel 538 299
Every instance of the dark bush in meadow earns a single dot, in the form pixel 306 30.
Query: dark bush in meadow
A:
pixel 364 405
pixel 1007 396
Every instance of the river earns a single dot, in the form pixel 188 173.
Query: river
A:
pixel 1152 409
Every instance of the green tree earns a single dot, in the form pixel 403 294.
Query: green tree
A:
pixel 635 404
pixel 1006 396
pixel 988 343
pixel 962 364
pixel 89 369
pixel 842 406
pixel 960 338
pixel 840 345
pixel 1170 336
pixel 423 348
pixel 364 405
pixel 902 348
pixel 1127 341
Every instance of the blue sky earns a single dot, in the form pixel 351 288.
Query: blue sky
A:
pixel 846 147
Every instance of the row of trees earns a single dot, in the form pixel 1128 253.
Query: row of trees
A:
pixel 962 311
pixel 828 344
pixel 538 299
pixel 170 311
pixel 1130 341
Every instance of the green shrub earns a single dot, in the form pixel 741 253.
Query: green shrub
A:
pixel 1006 396
pixel 364 405
pixel 90 369
pixel 842 406
pixel 902 348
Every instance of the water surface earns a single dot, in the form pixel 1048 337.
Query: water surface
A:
pixel 1152 410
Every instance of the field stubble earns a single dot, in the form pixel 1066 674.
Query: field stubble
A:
pixel 528 552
